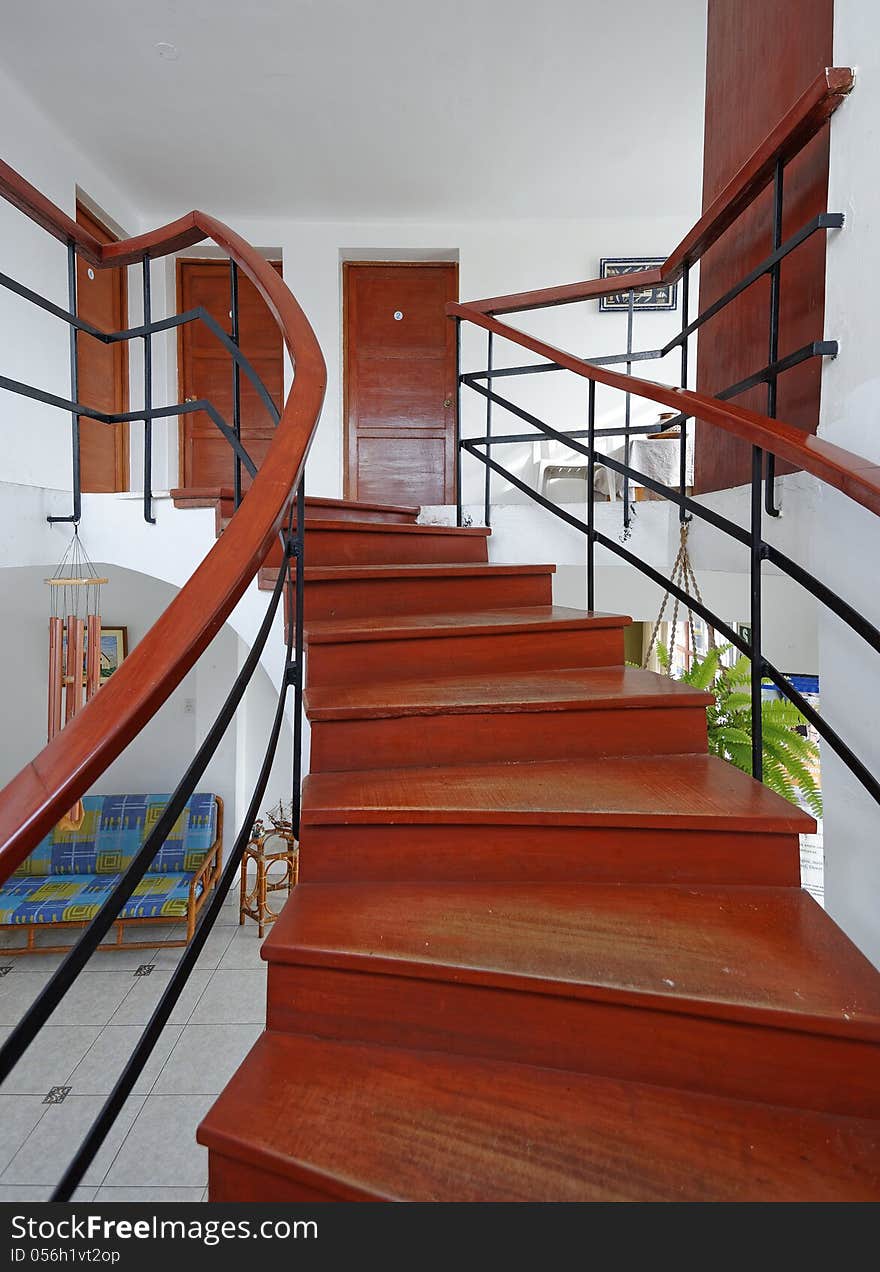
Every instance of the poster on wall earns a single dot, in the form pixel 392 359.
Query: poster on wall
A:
pixel 660 299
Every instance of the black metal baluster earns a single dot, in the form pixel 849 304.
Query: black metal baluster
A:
pixel 591 495
pixel 148 396
pixel 488 427
pixel 682 446
pixel 74 393
pixel 769 490
pixel 296 618
pixel 236 379
pixel 626 416
pixel 458 516
pixel 757 556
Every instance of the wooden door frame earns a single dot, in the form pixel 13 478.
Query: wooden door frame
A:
pixel 346 354
pixel 122 451
pixel 180 263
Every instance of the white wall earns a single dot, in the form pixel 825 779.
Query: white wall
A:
pixel 847 537
pixel 34 345
pixel 530 534
pixel 493 257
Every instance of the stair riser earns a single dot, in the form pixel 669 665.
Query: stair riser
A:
pixel 456 738
pixel 358 512
pixel 667 1048
pixel 351 662
pixel 349 547
pixel 358 598
pixel 234 1181
pixel 406 853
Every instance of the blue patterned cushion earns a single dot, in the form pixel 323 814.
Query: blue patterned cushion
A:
pixel 113 829
pixel 77 899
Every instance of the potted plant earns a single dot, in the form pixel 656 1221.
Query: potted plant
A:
pixel 790 756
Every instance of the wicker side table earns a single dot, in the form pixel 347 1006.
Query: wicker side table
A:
pixel 274 853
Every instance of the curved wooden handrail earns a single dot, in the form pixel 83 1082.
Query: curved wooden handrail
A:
pixel 852 474
pixel 809 113
pixel 37 797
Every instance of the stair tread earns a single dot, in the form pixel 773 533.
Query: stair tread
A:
pixel 765 954
pixel 670 791
pixel 526 618
pixel 556 690
pixel 392 528
pixel 181 494
pixel 415 570
pixel 445 1127
pixel 418 569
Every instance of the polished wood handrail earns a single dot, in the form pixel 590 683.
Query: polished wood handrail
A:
pixel 37 797
pixel 809 113
pixel 852 474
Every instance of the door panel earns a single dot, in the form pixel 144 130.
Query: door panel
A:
pixel 102 370
pixel 399 382
pixel 205 371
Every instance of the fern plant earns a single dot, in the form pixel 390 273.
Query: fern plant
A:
pixel 790 758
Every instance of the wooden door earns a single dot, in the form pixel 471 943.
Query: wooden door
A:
pixel 205 371
pixel 102 370
pixel 761 55
pixel 399 382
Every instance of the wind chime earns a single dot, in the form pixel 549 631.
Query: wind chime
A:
pixel 74 643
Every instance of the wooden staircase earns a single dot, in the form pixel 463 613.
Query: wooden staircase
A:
pixel 544 946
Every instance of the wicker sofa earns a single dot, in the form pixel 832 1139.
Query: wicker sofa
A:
pixel 66 879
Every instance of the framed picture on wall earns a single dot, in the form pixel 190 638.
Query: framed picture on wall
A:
pixel 114 647
pixel 653 299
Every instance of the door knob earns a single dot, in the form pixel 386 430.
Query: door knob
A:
pixel 447 402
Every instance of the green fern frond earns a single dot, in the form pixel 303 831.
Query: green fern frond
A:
pixel 789 757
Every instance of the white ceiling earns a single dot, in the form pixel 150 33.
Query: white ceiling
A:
pixel 377 108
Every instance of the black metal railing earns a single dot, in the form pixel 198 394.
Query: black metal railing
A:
pixel 146 331
pixel 290 579
pixel 762 481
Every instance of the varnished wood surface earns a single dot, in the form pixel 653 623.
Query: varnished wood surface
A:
pixel 102 370
pixel 801 122
pixel 403 645
pixel 727 1052
pixel 404 626
pixel 489 734
pixel 399 381
pixel 39 795
pixel 854 475
pixel 547 714
pixel 633 920
pixel 474 852
pixel 331 509
pixel 767 954
pixel 421 569
pixel 757 57
pixel 684 791
pixel 336 592
pixel 204 371
pixel 446 1128
pixel 372 543
pixel 594 689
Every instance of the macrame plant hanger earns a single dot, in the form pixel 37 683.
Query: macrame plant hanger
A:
pixel 683 577
pixel 74 643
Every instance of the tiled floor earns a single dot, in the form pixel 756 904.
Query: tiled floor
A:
pixel 151 1153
